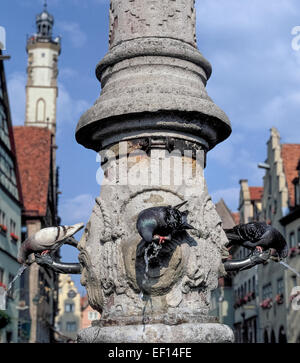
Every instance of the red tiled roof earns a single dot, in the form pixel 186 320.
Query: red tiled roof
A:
pixel 290 154
pixel 236 217
pixel 33 146
pixel 256 193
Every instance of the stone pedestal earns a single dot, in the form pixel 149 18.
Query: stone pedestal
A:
pixel 154 124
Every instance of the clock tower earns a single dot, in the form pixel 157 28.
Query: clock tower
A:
pixel 41 89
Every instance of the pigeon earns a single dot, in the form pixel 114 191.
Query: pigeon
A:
pixel 46 240
pixel 158 224
pixel 258 235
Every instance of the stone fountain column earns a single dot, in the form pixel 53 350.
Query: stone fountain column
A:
pixel 153 125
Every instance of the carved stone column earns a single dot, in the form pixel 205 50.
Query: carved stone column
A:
pixel 153 124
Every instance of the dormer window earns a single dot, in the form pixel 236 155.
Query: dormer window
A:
pixel 297 192
pixel 296 183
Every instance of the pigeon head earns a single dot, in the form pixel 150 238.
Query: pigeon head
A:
pixel 183 222
pixel 70 230
pixel 177 219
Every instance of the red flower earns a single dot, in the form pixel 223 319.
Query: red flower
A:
pixel 2 285
pixel 279 299
pixel 13 236
pixel 266 304
pixel 3 227
pixel 293 251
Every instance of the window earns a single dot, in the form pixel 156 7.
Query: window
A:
pixel 253 283
pixel 69 308
pixel 267 291
pixel 292 239
pixel 12 226
pixel 297 193
pixel 1 275
pixel 275 207
pixel 280 286
pixel 2 218
pixel 298 237
pixel 92 315
pixel 71 326
pixel 270 184
pixel 40 110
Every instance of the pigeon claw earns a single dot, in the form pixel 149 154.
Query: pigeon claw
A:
pixel 160 239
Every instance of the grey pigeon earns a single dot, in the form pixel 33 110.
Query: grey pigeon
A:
pixel 257 235
pixel 158 224
pixel 46 240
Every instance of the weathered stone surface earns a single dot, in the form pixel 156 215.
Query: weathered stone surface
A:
pixel 131 19
pixel 158 333
pixel 153 102
pixel 176 289
pixel 152 67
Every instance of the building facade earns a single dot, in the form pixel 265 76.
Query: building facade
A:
pixel 36 152
pixel 245 283
pixel 10 212
pixel 88 314
pixel 222 299
pixel 278 202
pixel 68 320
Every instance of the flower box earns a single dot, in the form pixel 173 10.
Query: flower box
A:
pixel 3 228
pixel 14 237
pixel 293 251
pixel 266 304
pixel 238 303
pixel 279 299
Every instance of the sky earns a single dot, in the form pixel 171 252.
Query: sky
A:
pixel 255 80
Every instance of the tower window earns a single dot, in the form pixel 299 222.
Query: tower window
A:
pixel 43 55
pixel 40 110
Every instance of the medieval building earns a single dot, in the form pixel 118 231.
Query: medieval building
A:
pixel 279 207
pixel 36 153
pixel 10 212
pixel 68 320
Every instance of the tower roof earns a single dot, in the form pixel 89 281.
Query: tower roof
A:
pixel 44 23
pixel 44 27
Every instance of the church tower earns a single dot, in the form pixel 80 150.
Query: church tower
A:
pixel 41 89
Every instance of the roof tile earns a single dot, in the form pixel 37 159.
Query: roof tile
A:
pixel 33 146
pixel 256 193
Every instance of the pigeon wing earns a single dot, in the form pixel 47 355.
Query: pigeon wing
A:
pixel 46 238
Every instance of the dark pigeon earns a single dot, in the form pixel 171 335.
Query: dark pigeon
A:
pixel 257 235
pixel 158 224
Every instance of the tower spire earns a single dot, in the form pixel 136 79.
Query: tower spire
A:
pixel 45 5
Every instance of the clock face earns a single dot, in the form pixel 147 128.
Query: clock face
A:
pixel 71 294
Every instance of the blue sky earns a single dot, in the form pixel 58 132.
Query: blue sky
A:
pixel 255 80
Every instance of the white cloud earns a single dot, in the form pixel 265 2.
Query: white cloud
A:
pixel 67 72
pixel 74 33
pixel 16 91
pixel 69 109
pixel 77 209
